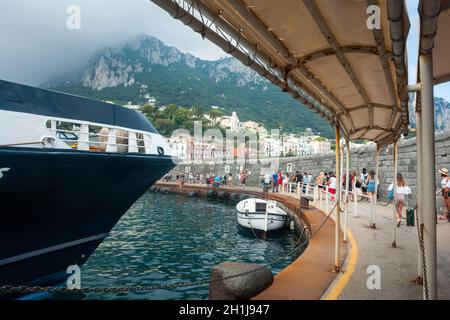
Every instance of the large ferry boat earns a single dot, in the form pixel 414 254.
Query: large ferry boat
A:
pixel 70 167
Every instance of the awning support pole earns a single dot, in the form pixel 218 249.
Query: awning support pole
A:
pixel 347 184
pixel 337 244
pixel 428 176
pixel 341 171
pixel 419 210
pixel 373 199
pixel 394 216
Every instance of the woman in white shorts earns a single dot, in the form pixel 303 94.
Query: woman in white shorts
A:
pixel 400 194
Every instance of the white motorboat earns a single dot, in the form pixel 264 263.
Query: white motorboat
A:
pixel 261 214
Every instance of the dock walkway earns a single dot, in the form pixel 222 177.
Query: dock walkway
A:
pixel 398 266
pixel 311 276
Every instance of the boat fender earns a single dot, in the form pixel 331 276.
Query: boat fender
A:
pixel 234 197
pixel 244 196
pixel 221 195
pixel 212 194
pixel 192 194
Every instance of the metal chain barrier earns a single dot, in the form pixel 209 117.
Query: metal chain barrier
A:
pixel 385 205
pixel 420 231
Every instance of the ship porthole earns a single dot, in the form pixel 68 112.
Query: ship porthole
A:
pixel 160 151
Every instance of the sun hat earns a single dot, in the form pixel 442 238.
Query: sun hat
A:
pixel 444 171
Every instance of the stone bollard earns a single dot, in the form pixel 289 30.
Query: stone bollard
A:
pixel 304 201
pixel 238 288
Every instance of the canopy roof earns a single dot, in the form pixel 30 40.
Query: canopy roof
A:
pixel 321 52
pixel 434 28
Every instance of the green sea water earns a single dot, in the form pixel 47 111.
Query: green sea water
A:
pixel 165 239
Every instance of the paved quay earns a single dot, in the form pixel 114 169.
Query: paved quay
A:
pixel 311 274
pixel 398 266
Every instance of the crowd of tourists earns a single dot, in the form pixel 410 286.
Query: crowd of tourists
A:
pixel 360 183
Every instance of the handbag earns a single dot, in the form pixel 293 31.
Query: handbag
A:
pixel 391 194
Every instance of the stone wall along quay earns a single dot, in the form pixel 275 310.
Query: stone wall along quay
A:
pixel 361 157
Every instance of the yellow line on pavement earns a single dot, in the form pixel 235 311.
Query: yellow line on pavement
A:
pixel 338 286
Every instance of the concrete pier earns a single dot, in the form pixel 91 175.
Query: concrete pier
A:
pixel 311 274
pixel 368 254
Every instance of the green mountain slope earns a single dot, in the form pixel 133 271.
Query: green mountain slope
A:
pixel 147 67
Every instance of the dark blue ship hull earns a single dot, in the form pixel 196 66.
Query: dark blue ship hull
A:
pixel 56 207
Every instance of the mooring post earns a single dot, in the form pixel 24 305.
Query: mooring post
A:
pixel 238 281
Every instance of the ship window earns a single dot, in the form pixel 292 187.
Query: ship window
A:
pixel 98 138
pixel 260 207
pixel 140 142
pixel 65 131
pixel 147 143
pixel 122 141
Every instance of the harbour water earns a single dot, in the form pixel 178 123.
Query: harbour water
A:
pixel 167 239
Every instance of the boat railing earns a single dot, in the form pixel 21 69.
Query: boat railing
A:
pixel 93 137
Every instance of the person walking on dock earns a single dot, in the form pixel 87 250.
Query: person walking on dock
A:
pixel 243 179
pixel 332 185
pixel 275 182
pixel 445 191
pixel 400 194
pixel 310 178
pixel 298 177
pixel 371 184
pixel 286 179
pixel 230 179
pixel 266 182
pixel 225 179
pixel 280 181
pixel 350 183
pixel 305 181
pixel 363 181
pixel 320 180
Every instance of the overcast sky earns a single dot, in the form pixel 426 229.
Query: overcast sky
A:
pixel 36 45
